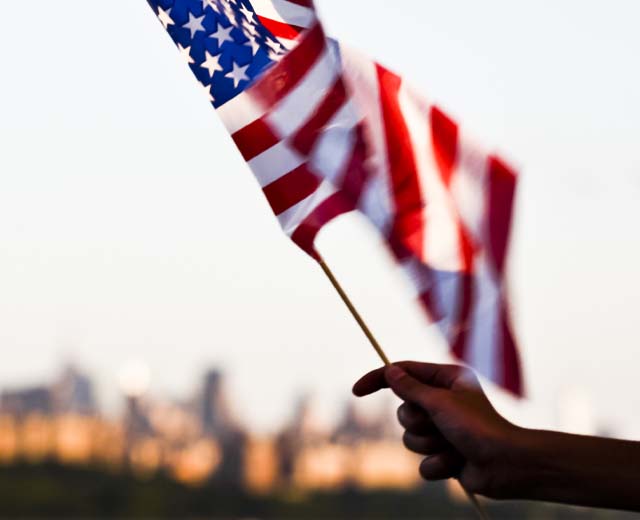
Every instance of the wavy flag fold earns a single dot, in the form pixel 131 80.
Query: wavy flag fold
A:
pixel 326 131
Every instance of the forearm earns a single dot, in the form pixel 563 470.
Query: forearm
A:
pixel 579 470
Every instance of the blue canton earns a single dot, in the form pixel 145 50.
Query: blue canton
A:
pixel 223 41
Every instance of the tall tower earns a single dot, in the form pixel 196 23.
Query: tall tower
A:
pixel 218 423
pixel 73 393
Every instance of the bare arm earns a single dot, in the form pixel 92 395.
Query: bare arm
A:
pixel 448 418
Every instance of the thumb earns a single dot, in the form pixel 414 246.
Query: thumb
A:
pixel 410 389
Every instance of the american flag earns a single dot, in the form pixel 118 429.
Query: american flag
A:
pixel 327 130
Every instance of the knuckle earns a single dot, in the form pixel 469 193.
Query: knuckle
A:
pixel 430 468
pixel 407 440
pixel 439 467
pixel 423 444
pixel 407 415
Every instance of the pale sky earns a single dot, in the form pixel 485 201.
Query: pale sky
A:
pixel 131 228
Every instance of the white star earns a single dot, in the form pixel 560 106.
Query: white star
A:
pixel 186 53
pixel 274 45
pixel 210 3
pixel 248 27
pixel 165 17
pixel 231 15
pixel 212 63
pixel 207 91
pixel 194 24
pixel 222 35
pixel 238 74
pixel 253 43
pixel 275 56
pixel 248 14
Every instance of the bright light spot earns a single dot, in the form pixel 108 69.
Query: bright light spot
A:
pixel 134 378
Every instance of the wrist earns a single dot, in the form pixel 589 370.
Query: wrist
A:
pixel 576 469
pixel 532 462
pixel 517 465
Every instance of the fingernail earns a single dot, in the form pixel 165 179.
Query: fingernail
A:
pixel 394 373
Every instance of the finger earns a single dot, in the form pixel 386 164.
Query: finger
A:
pixel 432 374
pixel 425 444
pixel 370 383
pixel 415 419
pixel 442 466
pixel 442 376
pixel 413 391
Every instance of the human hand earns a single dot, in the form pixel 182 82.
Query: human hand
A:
pixel 447 417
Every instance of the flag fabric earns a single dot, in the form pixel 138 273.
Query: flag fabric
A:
pixel 445 207
pixel 327 130
pixel 275 109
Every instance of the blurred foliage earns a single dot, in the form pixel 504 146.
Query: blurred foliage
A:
pixel 54 491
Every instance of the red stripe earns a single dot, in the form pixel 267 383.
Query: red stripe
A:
pixel 459 345
pixel 501 192
pixel 303 3
pixel 305 234
pixel 408 221
pixel 356 173
pixel 290 189
pixel 444 134
pixel 430 304
pixel 307 136
pixel 445 143
pixel 281 29
pixel 343 201
pixel 284 76
pixel 509 360
pixel 254 139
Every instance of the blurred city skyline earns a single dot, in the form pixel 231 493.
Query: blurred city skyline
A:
pixel 130 229
pixel 200 456
pixel 200 439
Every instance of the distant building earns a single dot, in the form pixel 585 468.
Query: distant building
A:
pixel 73 393
pixel 136 420
pixel 215 415
pixel 218 423
pixel 20 403
pixel 301 432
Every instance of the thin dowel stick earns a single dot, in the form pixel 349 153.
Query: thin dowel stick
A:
pixel 355 313
pixel 482 515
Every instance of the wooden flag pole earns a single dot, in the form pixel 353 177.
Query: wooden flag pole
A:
pixel 482 515
pixel 354 312
pixel 480 511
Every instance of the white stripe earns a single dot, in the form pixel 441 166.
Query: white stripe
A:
pixel 295 215
pixel 484 340
pixel 446 295
pixel 277 161
pixel 418 274
pixel 299 105
pixel 442 240
pixel 468 186
pixel 284 12
pixel 239 112
pixel 334 148
pixel 361 77
pixel 373 206
pixel 288 44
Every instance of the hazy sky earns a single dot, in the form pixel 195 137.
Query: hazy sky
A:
pixel 131 228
